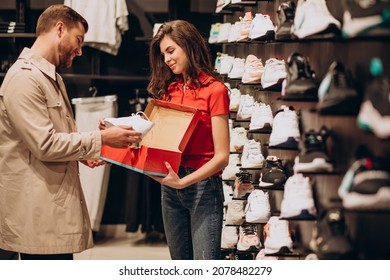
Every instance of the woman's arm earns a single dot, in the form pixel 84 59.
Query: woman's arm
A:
pixel 220 132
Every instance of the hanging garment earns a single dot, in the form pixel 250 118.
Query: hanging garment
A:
pixel 107 20
pixel 94 181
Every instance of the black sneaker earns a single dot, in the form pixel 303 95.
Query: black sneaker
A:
pixel 285 15
pixel 374 114
pixel 366 185
pixel 337 93
pixel 300 84
pixel 273 173
pixel 313 156
pixel 369 18
pixel 243 185
pixel 330 239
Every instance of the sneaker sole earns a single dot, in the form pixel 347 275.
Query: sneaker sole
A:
pixel 377 201
pixel 317 165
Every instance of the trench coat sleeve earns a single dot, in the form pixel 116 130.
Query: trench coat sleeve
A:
pixel 45 125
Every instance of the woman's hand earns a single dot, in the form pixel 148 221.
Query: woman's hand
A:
pixel 171 180
pixel 93 163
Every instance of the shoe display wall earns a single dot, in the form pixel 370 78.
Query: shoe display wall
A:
pixel 323 92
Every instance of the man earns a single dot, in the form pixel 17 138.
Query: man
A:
pixel 42 209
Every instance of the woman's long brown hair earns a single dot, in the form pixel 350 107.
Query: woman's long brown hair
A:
pixel 194 45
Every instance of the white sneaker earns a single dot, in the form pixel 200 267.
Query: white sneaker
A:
pixel 156 28
pixel 226 64
pixel 214 31
pixel 224 31
pixel 249 238
pixel 261 256
pixel 229 237
pixel 235 214
pixel 230 171
pixel 353 27
pixel 245 27
pixel 253 70
pixel 234 32
pixel 258 209
pixel 237 69
pixel 262 28
pixel 138 121
pixel 218 59
pixel 274 73
pixel 251 155
pixel 298 202
pixel 313 17
pixel 221 4
pixel 262 118
pixel 227 193
pixel 277 236
pixel 238 139
pixel 285 131
pixel 235 98
pixel 246 107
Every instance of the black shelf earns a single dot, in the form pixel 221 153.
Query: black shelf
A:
pixel 281 148
pixel 271 188
pixel 238 120
pixel 17 35
pixel 250 168
pixel 106 77
pixel 318 39
pixel 259 132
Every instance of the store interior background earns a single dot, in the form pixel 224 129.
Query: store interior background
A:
pixel 133 200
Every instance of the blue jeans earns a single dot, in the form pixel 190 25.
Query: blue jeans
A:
pixel 193 218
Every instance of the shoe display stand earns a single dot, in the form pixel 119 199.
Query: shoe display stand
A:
pixel 368 230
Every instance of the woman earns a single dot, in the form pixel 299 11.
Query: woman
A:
pixel 192 200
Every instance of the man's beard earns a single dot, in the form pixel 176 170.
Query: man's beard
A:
pixel 65 57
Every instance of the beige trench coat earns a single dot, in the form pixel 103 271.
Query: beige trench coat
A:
pixel 42 209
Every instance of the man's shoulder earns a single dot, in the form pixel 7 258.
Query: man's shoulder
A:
pixel 22 68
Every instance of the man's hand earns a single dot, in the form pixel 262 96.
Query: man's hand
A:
pixel 102 124
pixel 120 136
pixel 93 163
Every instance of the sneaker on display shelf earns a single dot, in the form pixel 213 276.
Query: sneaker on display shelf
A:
pixel 261 118
pixel 235 214
pixel 277 236
pixel 337 93
pixel 258 209
pixel 238 139
pixel 367 18
pixel 229 237
pixel 285 129
pixel 273 173
pixel 313 155
pixel 330 239
pixel 285 15
pixel 374 114
pixel 262 28
pixel 313 19
pixel 251 155
pixel 243 185
pixel 298 202
pixel 249 239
